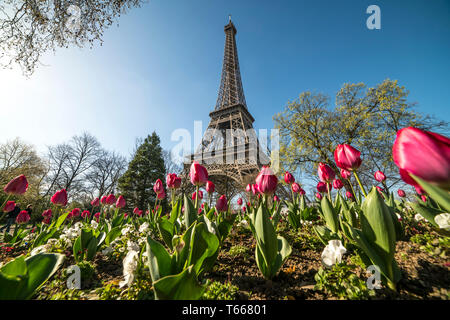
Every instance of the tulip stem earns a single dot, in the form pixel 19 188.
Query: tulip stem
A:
pixel 196 197
pixel 360 184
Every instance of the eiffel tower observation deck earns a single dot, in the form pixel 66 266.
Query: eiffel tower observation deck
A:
pixel 230 149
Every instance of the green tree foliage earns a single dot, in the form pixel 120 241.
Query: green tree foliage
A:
pixel 366 118
pixel 147 165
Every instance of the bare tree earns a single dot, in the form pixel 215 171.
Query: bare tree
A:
pixel 171 166
pixel 29 28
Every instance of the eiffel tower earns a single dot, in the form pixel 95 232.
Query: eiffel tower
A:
pixel 230 149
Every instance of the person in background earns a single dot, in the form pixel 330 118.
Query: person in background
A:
pixel 11 218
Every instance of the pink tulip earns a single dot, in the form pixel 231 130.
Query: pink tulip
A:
pixel 95 202
pixel 239 202
pixel 47 220
pixel 136 210
pixel 326 174
pixel 210 187
pixel 349 195
pixel 97 216
pixel 337 184
pixel 266 181
pixel 17 186
pixel 60 198
pixel 276 199
pixel 161 195
pixel 424 198
pixel 110 199
pixel 379 176
pixel 289 178
pixel 85 214
pixel 319 196
pixel 255 189
pixel 198 174
pixel 345 174
pixel 222 204
pixel 10 205
pixel 419 190
pixel 301 192
pixel 171 180
pixel 347 157
pixel 120 202
pixel 424 154
pixel 158 187
pixel 103 200
pixel 248 188
pixel 401 193
pixel 75 212
pixel 295 187
pixel 23 217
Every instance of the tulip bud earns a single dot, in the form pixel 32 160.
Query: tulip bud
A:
pixel 171 180
pixel 76 212
pixel 200 195
pixel 424 154
pixel 345 174
pixel 321 187
pixel 248 188
pixel 222 204
pixel 301 192
pixel 136 210
pixel 120 202
pixel 239 201
pixel 419 190
pixel 266 181
pixel 210 187
pixel 295 187
pixel 276 199
pixel 47 213
pixel 379 176
pixel 60 198
pixel 349 195
pixel 255 189
pixel 85 214
pixel 17 186
pixel 326 174
pixel 97 216
pixel 161 195
pixel 347 157
pixel 103 200
pixel 401 193
pixel 319 196
pixel 337 184
pixel 198 174
pixel 289 178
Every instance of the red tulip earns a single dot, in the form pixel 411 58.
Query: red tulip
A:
pixel 244 209
pixel 47 220
pixel 177 183
pixel 10 205
pixel 289 178
pixel 276 199
pixel 319 196
pixel 266 181
pixel 110 199
pixel 295 187
pixel 60 198
pixel 75 212
pixel 136 210
pixel 103 200
pixel 158 187
pixel 125 215
pixel 349 195
pixel 326 174
pixel 379 176
pixel 85 214
pixel 347 157
pixel 97 216
pixel 17 186
pixel 337 184
pixel 424 154
pixel 22 217
pixel 301 192
pixel 47 213
pixel 95 202
pixel 222 204
pixel 248 188
pixel 401 193
pixel 120 202
pixel 345 174
pixel 200 195
pixel 210 187
pixel 198 174
pixel 321 187
pixel 171 180
pixel 239 202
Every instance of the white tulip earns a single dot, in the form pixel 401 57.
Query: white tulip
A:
pixel 333 253
pixel 443 220
pixel 129 267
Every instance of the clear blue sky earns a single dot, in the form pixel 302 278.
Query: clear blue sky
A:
pixel 160 68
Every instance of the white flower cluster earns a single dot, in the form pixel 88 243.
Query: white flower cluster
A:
pixel 70 234
pixel 45 247
pixel 443 221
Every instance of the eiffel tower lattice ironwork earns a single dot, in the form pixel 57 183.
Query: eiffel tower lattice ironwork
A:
pixel 230 149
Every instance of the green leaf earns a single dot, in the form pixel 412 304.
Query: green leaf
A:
pixel 190 215
pixel 203 245
pixel 439 195
pixel 159 260
pixel 166 229
pixel 266 237
pixel 113 234
pixel 77 250
pixel 183 286
pixel 329 215
pixel 428 213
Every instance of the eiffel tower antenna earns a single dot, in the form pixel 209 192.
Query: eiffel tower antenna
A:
pixel 229 17
pixel 230 150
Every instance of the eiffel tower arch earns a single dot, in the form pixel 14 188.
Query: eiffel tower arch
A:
pixel 230 149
